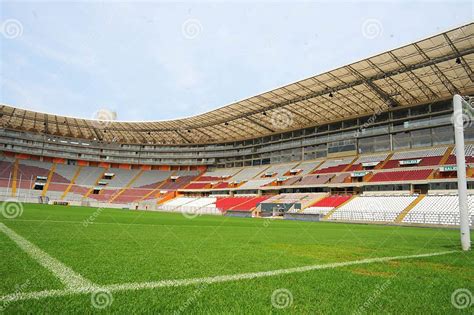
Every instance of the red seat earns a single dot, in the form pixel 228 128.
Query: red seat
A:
pixel 331 169
pixel 239 203
pixel 401 176
pixel 197 186
pixel 332 201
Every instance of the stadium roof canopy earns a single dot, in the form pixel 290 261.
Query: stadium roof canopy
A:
pixel 428 70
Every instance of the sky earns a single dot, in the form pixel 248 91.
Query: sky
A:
pixel 159 60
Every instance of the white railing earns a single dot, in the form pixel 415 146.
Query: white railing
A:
pixel 190 209
pixel 434 218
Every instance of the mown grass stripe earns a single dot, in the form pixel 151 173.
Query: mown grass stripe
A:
pixel 68 277
pixel 206 280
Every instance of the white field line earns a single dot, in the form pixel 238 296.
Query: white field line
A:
pixel 114 223
pixel 206 280
pixel 68 277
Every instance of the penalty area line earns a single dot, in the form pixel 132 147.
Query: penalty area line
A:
pixel 207 280
pixel 71 279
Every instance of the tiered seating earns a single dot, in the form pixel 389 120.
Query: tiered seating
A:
pixel 279 170
pixel 313 180
pixel 325 205
pixel 239 203
pixel 104 195
pixel 401 176
pixel 151 179
pixel 373 208
pixel 332 201
pixel 60 180
pixel 122 177
pixel 274 198
pixel 330 172
pixel 208 179
pixel 367 159
pixel 28 170
pixel 197 185
pixel 339 178
pixel 307 167
pixel 181 182
pixel 438 209
pixel 88 176
pixel 429 157
pixel 334 165
pixel 255 183
pixel 147 182
pixel 228 203
pixel 248 173
pixel 304 199
pixel 132 195
pixel 292 181
pixel 204 205
pixel 250 204
pixel 430 161
pixel 221 185
pixel 181 201
pixel 84 182
pixel 203 202
pixel 6 170
pixel 468 152
pixel 223 172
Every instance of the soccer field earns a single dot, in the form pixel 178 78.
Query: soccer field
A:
pixel 77 260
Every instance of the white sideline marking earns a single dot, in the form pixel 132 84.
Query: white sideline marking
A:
pixel 207 280
pixel 68 277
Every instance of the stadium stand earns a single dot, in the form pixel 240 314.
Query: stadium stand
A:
pixel 370 161
pixel 401 176
pixel 306 167
pixel 191 206
pixel 334 165
pixel 376 161
pixel 439 210
pixel 340 178
pixel 151 178
pixel 255 184
pixel 277 170
pixel 311 180
pixel 246 174
pixel 373 208
pixel 327 204
pixel 239 203
pixel 427 157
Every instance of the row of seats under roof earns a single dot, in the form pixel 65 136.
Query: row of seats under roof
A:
pixel 89 175
pixel 247 173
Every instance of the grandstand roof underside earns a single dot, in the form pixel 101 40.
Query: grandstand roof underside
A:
pixel 421 72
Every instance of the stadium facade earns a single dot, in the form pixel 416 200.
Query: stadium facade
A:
pixel 372 141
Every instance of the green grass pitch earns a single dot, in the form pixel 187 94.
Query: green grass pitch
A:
pixel 114 247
